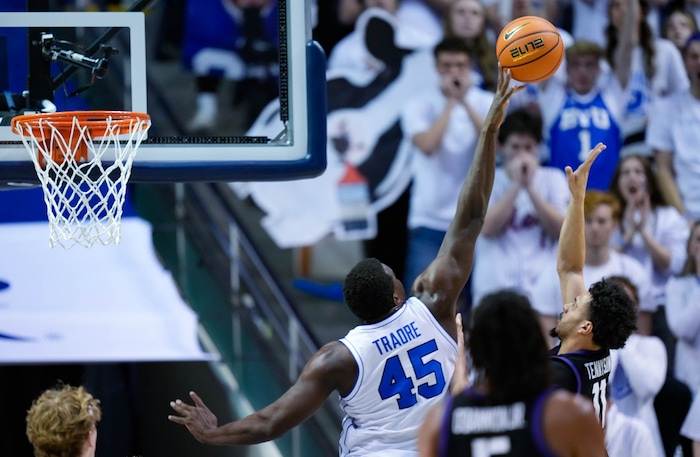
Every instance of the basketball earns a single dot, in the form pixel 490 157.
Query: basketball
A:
pixel 531 47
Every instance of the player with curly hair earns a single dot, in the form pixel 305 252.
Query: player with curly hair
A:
pixel 594 320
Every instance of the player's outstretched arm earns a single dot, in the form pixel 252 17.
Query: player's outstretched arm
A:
pixel 571 254
pixel 331 368
pixel 440 284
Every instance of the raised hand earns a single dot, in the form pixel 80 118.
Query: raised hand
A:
pixel 502 97
pixel 198 418
pixel 460 378
pixel 579 179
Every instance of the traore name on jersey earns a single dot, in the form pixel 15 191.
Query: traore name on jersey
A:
pixel 388 343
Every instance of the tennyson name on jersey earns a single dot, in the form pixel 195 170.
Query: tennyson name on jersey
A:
pixel 468 420
pixel 388 343
pixel 527 49
pixel 598 368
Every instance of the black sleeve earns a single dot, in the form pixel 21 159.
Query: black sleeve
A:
pixel 563 375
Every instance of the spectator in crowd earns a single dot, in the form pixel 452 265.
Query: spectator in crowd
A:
pixel 525 214
pixel 651 231
pixel 639 372
pixel 683 313
pixel 444 123
pixel 626 436
pixel 601 213
pixel 656 68
pixel 674 135
pixel 466 19
pixel 585 109
pixel 62 422
pixel 679 26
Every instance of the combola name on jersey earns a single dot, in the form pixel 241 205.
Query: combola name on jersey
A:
pixel 467 420
pixel 398 338
pixel 598 368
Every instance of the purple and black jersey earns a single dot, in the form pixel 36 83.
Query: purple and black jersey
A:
pixel 474 426
pixel 585 373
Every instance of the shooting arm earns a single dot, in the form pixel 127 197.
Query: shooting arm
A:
pixel 571 254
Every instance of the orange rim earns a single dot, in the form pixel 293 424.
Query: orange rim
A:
pixel 95 121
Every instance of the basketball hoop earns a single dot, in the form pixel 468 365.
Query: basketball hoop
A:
pixel 83 160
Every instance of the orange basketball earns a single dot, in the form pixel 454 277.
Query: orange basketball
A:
pixel 531 47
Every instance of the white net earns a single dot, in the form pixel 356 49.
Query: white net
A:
pixel 84 173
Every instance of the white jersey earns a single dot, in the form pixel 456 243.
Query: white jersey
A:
pixel 590 20
pixel 674 127
pixel 546 294
pixel 405 364
pixel 625 436
pixel 639 372
pixel 438 178
pixel 512 258
pixel 683 316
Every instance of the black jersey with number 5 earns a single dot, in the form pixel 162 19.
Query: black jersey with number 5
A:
pixel 585 373
pixel 473 426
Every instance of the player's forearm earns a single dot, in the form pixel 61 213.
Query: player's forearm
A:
pixel 475 194
pixel 253 429
pixel 571 254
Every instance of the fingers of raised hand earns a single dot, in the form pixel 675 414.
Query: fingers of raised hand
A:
pixel 595 152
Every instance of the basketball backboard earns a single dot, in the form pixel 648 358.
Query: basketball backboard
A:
pixel 107 55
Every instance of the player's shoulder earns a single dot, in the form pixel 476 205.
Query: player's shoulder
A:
pixel 567 406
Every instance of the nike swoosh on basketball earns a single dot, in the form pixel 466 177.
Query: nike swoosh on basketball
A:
pixel 510 33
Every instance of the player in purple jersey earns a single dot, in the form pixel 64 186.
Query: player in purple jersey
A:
pixel 511 410
pixel 593 321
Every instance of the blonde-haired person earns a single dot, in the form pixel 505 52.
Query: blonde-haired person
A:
pixel 62 422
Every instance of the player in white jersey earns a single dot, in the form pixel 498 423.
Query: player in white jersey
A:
pixel 391 369
pixel 407 356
